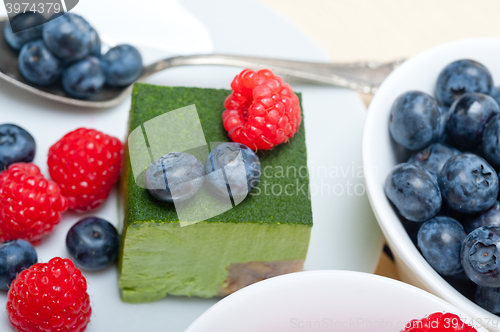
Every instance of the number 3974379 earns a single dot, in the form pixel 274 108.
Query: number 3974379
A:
pixel 34 7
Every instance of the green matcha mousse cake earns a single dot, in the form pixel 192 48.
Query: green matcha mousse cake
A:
pixel 265 235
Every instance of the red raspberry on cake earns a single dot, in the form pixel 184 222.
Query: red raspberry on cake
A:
pixel 86 164
pixel 439 322
pixel 30 205
pixel 262 111
pixel 49 297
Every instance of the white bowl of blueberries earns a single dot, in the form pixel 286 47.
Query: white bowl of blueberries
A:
pixel 431 156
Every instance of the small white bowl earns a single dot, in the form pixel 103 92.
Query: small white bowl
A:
pixel 379 156
pixel 323 300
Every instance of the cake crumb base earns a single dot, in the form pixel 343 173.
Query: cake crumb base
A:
pixel 243 274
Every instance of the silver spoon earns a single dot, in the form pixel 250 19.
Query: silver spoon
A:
pixel 364 77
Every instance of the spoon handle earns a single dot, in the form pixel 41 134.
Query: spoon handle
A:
pixel 364 77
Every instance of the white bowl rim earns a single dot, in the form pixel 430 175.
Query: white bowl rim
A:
pixel 389 222
pixel 268 284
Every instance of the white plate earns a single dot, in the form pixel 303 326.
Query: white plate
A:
pixel 345 235
pixel 324 301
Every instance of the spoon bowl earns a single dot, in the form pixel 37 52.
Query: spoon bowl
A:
pixel 9 71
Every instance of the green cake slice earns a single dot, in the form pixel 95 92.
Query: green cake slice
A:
pixel 265 235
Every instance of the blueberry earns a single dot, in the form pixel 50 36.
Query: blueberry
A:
pixel 468 118
pixel 491 141
pixel 95 50
pixel 460 77
pixel 21 22
pixel 488 298
pixel 242 171
pixel 440 240
pixel 16 145
pixel 496 94
pixel 415 120
pixel 15 256
pixel 414 191
pixel 175 176
pixel 481 256
pixel 443 136
pixel 37 64
pixel 433 157
pixel 490 217
pixel 84 78
pixel 93 243
pixel 70 37
pixel 468 183
pixel 122 65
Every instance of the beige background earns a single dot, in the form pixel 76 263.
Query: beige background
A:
pixel 384 30
pixel 350 30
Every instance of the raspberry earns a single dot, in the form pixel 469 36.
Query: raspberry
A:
pixel 86 164
pixel 439 322
pixel 30 205
pixel 49 297
pixel 262 111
